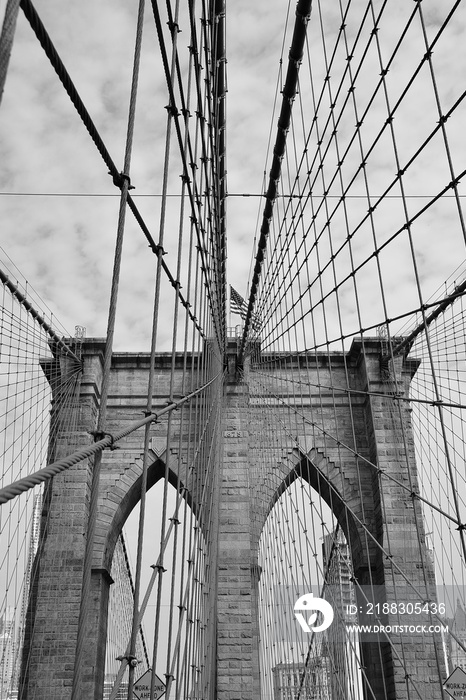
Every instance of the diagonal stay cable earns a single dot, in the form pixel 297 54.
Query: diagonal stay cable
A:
pixel 361 457
pixel 28 482
pixel 395 396
pixel 303 13
pixel 367 153
pixel 193 195
pixel 191 186
pixel 406 343
pixel 15 292
pixel 118 178
pixel 305 460
pixel 182 493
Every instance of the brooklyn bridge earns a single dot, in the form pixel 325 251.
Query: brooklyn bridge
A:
pixel 241 474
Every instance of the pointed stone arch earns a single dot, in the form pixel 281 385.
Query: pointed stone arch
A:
pixel 119 495
pixel 335 484
pixel 53 617
pixel 328 483
pixel 349 483
pixel 120 492
pixel 348 453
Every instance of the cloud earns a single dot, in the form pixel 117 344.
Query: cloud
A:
pixel 65 244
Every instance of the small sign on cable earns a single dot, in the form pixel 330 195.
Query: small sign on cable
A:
pixel 141 689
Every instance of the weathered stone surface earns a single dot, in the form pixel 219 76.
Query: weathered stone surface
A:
pixel 352 486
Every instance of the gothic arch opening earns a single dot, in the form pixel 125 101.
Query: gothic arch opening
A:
pixel 303 553
pixel 173 576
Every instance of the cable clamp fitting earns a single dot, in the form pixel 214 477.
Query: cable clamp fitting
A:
pixel 461 527
pixel 119 179
pixel 131 660
pixel 172 110
pixel 101 435
pixel 159 568
pixel 174 27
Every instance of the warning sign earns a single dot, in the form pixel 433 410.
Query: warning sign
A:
pixel 455 685
pixel 141 689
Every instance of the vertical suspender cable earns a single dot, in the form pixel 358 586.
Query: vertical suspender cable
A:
pixel 125 186
pixel 137 581
pixel 174 568
pixel 220 153
pixel 303 13
pixel 170 114
pixel 38 318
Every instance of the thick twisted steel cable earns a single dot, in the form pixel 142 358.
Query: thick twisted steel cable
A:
pixel 13 289
pixel 220 150
pixel 6 40
pixel 156 568
pixel 396 396
pixel 112 312
pixel 142 508
pixel 181 494
pixel 39 477
pixel 173 24
pixel 175 66
pixel 52 54
pixel 118 178
pixel 303 12
pixel 192 190
pixel 361 119
pixel 340 443
pixel 400 230
pixel 349 509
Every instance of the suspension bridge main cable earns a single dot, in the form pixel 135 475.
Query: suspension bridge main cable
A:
pixel 303 13
pixel 15 291
pixel 118 178
pixel 193 194
pixel 28 482
pixel 316 165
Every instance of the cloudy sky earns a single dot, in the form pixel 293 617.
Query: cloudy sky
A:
pixel 58 207
pixel 62 244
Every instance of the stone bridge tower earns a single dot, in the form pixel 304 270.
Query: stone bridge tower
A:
pixel 337 472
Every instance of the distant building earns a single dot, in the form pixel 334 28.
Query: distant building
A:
pixel 109 682
pixel 342 641
pixel 292 681
pixel 34 540
pixel 13 620
pixel 457 624
pixel 120 609
pixel 338 568
pixel 7 655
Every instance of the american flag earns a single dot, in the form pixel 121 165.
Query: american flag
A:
pixel 237 303
pixel 239 306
